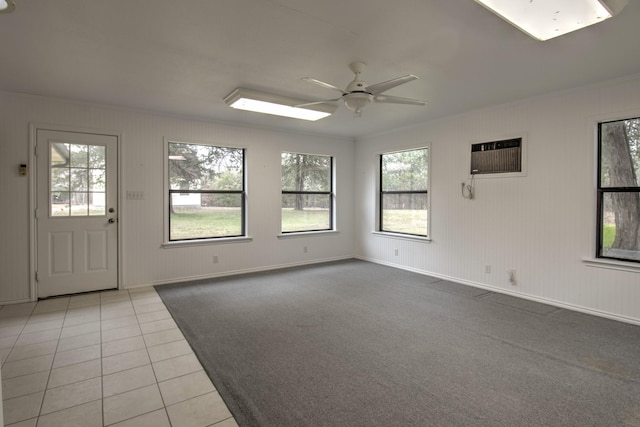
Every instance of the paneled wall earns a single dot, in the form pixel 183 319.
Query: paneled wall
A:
pixel 541 225
pixel 143 260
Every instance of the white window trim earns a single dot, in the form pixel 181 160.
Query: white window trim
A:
pixel 166 243
pixel 376 218
pixel 612 264
pixel 295 234
pixel 400 236
pixel 592 123
pixel 206 242
pixel 334 197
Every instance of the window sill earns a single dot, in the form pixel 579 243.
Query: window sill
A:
pixel 612 264
pixel 294 235
pixel 401 236
pixel 206 242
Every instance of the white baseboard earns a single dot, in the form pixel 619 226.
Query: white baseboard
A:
pixel 555 303
pixel 236 272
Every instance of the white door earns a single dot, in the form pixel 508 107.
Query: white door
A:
pixel 76 213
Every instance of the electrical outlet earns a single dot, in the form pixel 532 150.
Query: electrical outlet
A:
pixel 215 259
pixel 512 277
pixel 305 249
pixel 395 251
pixel 487 269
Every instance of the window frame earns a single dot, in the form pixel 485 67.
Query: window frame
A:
pixel 601 191
pixel 168 242
pixel 381 193
pixel 330 193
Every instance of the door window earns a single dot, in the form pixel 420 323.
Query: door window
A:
pixel 77 185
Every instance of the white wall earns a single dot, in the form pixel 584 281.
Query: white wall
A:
pixel 542 225
pixel 144 261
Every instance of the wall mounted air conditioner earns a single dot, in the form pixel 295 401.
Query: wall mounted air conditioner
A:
pixel 497 157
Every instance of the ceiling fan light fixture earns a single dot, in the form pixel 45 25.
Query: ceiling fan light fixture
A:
pixel 546 19
pixel 356 101
pixel 7 6
pixel 266 103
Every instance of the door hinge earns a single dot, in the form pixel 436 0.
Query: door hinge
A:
pixel 35 213
pixel 37 277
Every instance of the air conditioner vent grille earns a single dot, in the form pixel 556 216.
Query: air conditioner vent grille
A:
pixel 503 156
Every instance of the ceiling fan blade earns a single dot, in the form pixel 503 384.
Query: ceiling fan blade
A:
pixel 397 100
pixel 384 86
pixel 306 104
pixel 323 84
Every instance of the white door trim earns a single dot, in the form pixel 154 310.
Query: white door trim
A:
pixel 33 260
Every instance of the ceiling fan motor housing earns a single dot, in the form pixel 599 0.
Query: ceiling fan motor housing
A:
pixel 357 85
pixel 358 97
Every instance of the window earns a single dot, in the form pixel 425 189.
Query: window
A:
pixel 307 192
pixel 619 190
pixel 404 197
pixel 78 180
pixel 206 191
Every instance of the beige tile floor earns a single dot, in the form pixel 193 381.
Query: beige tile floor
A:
pixel 113 358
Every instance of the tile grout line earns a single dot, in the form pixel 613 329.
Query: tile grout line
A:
pixel 101 366
pixel 164 404
pixel 153 299
pixel 18 336
pixel 46 387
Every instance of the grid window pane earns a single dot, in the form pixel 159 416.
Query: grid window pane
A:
pixel 59 155
pixel 79 204
pixel 405 171
pixel 204 167
pixel 97 204
pixel 305 212
pixel 200 216
pixel 405 213
pixel 306 172
pixel 79 180
pixel 60 203
pixel 97 158
pixel 59 179
pixel 79 155
pixel 620 154
pixel 620 210
pixel 97 179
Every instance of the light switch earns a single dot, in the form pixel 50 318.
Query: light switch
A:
pixel 135 195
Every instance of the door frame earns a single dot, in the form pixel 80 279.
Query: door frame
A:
pixel 33 180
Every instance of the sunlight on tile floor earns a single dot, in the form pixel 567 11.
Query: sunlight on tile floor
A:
pixel 114 358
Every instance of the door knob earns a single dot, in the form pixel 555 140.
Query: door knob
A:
pixel 112 220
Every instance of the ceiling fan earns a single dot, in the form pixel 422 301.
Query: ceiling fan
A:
pixel 359 94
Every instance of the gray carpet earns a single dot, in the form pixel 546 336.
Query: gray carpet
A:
pixel 358 344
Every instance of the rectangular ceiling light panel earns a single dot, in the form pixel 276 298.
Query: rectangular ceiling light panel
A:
pixel 266 103
pixel 546 19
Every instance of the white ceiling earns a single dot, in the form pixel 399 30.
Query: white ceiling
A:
pixel 183 57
